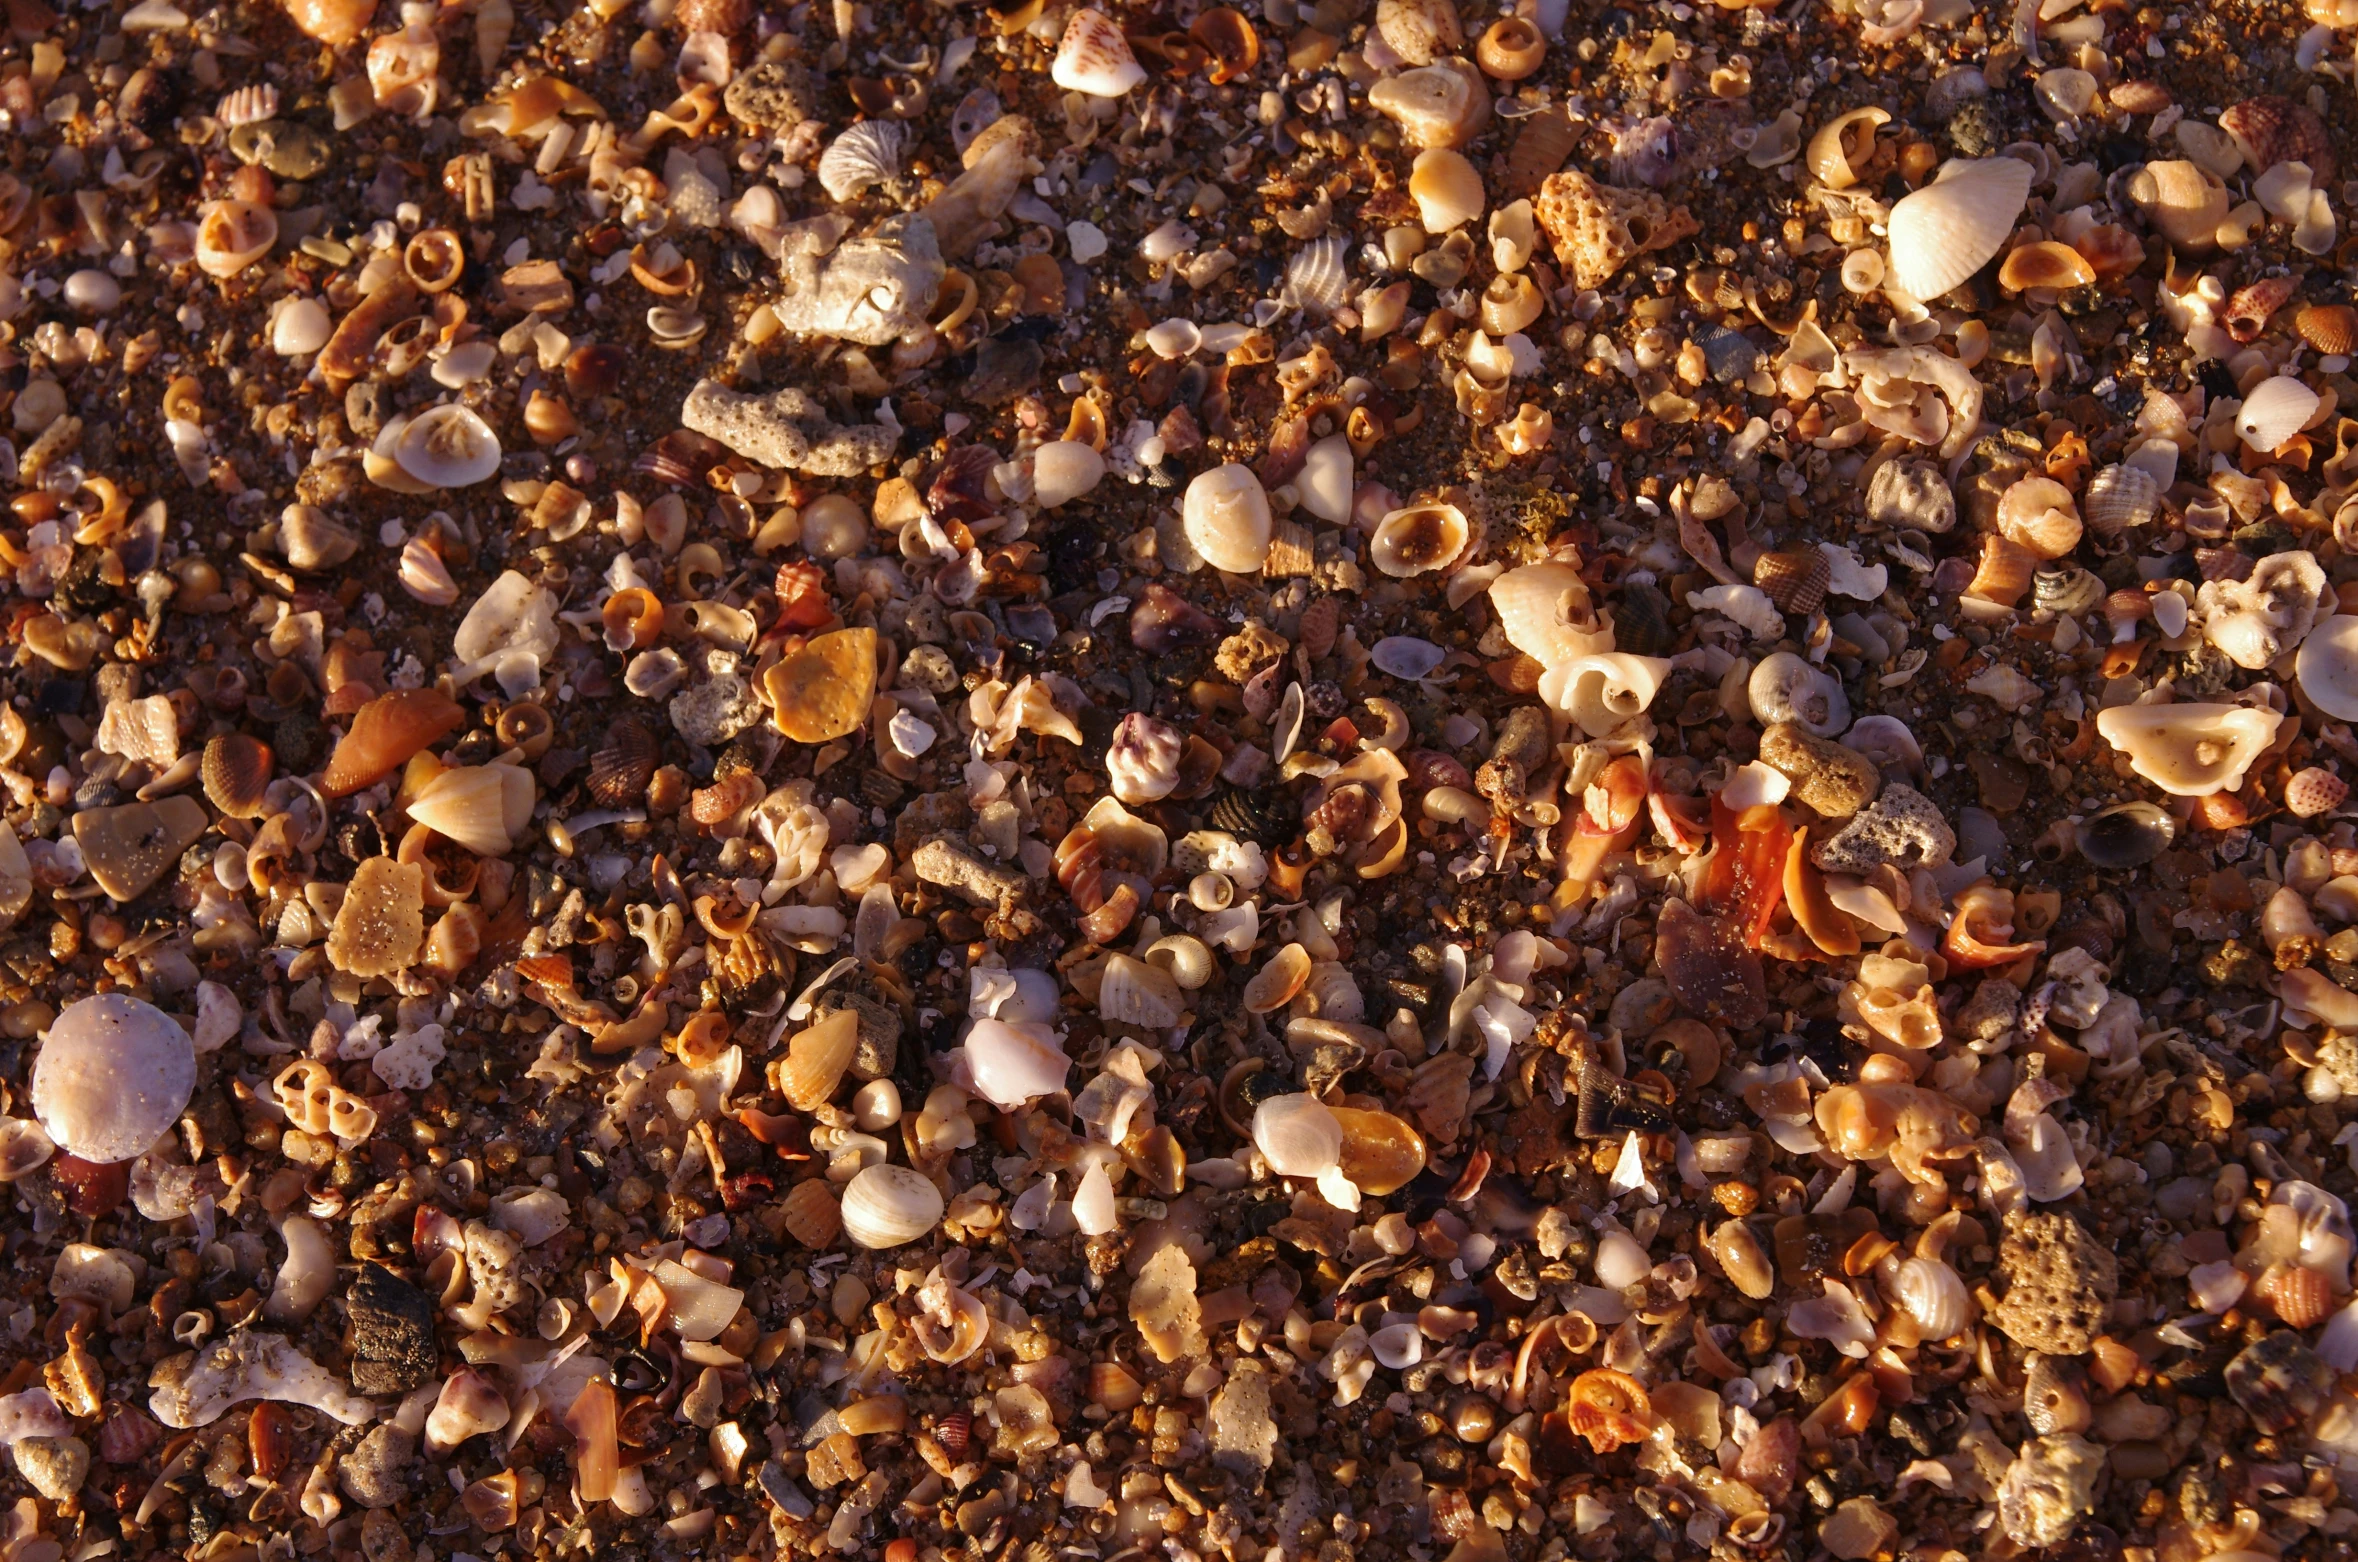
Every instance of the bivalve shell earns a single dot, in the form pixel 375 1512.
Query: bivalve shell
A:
pixel 447 446
pixel 1796 581
pixel 2330 328
pixel 2190 750
pixel 2327 667
pixel 2044 264
pixel 236 770
pixel 890 1206
pixel 623 765
pixel 1419 539
pixel 811 1213
pixel 112 1076
pixel 1093 57
pixel 1945 232
pixel 869 153
pixel 1446 188
pixel 2277 409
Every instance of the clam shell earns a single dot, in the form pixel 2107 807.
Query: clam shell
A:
pixel 1405 656
pixel 811 1214
pixel 112 1077
pixel 1275 984
pixel 1298 1135
pixel 2118 497
pixel 816 1060
pixel 1945 232
pixel 2330 328
pixel 2327 667
pixel 869 153
pixel 887 1206
pixel 1796 581
pixel 1317 278
pixel 1093 57
pixel 2275 411
pixel 447 447
pixel 1133 992
pixel 1419 539
pixel 622 765
pixel 236 771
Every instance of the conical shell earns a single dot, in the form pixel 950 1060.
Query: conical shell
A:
pixel 1945 232
pixel 484 808
pixel 811 1214
pixel 1795 581
pixel 385 734
pixel 1093 57
pixel 236 770
pixel 887 1206
pixel 816 1060
pixel 624 764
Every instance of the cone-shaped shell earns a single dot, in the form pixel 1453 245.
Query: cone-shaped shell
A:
pixel 887 1206
pixel 1093 57
pixel 112 1077
pixel 2190 750
pixel 447 447
pixel 816 1059
pixel 1950 229
pixel 484 808
pixel 1546 613
pixel 386 733
pixel 2327 667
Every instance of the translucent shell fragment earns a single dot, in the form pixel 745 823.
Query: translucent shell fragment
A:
pixel 823 691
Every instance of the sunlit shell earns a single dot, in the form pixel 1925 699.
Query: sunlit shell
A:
pixel 869 153
pixel 1093 57
pixel 2275 410
pixel 2183 201
pixel 816 1059
pixel 433 260
pixel 447 446
pixel 2037 515
pixel 887 1206
pixel 2190 750
pixel 1842 145
pixel 1418 539
pixel 1945 232
pixel 247 105
pixel 1783 687
pixel 332 22
pixel 1796 581
pixel 485 808
pixel 1510 49
pixel 236 770
pixel 232 235
pixel 1404 656
pixel 2257 619
pixel 2330 328
pixel 622 765
pixel 385 733
pixel 2314 791
pixel 823 691
pixel 2118 497
pixel 1446 188
pixel 1226 515
pixel 1298 1135
pixel 811 1213
pixel 112 1077
pixel 1609 1408
pixel 1275 984
pixel 2302 1297
pixel 1930 1292
pixel 2271 130
pixel 1541 146
pixel 2044 264
pixel 1317 278
pixel 1546 613
pixel 1604 691
pixel 1442 104
pixel 1381 1154
pixel 1132 992
pixel 2327 667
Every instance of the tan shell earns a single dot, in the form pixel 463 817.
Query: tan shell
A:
pixel 2044 264
pixel 1796 581
pixel 811 1214
pixel 1420 538
pixel 2190 750
pixel 236 771
pixel 1841 145
pixel 1275 984
pixel 816 1059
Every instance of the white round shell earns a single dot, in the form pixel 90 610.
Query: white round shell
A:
pixel 1945 232
pixel 886 1206
pixel 113 1076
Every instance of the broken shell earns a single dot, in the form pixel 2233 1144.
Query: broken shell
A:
pixel 2037 515
pixel 1945 232
pixel 236 772
pixel 2125 836
pixel 2257 619
pixel 1231 46
pixel 2275 410
pixel 2190 750
pixel 1510 49
pixel 1381 1154
pixel 447 446
pixel 2184 202
pixel 385 734
pixel 1226 516
pixel 811 1214
pixel 433 260
pixel 1444 104
pixel 1606 691
pixel 112 1077
pixel 889 1206
pixel 1446 189
pixel 2327 667
pixel 2044 264
pixel 1419 31
pixel 1418 539
pixel 1298 1135
pixel 1093 57
pixel 1786 688
pixel 823 691
pixel 232 235
pixel 1842 146
pixel 1276 984
pixel 1546 613
pixel 817 1058
pixel 869 153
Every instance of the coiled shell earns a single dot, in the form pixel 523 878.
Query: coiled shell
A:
pixel 1930 1292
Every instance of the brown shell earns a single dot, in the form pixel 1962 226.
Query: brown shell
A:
pixel 1322 623
pixel 2274 130
pixel 2301 1297
pixel 1541 146
pixel 2330 328
pixel 1289 551
pixel 2140 97
pixel 236 770
pixel 725 798
pixel 623 765
pixel 2248 311
pixel 1796 581
pixel 811 1214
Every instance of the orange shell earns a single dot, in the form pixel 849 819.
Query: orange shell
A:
pixel 386 733
pixel 823 691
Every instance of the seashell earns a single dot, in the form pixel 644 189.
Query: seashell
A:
pixel 1142 759
pixel 1929 1292
pixel 1093 57
pixel 2327 667
pixel 2279 1382
pixel 1419 31
pixel 1292 551
pixel 1317 278
pixel 2271 130
pixel 2302 1297
pixel 2190 750
pixel 1298 1135
pixel 1907 495
pixel 1276 984
pixel 2044 264
pixel 484 808
pixel 1064 470
pixel 1843 145
pixel 236 771
pixel 2119 497
pixel 869 153
pixel 1510 49
pixel 247 105
pixel 1419 539
pixel 1226 516
pixel 1795 581
pixel 1404 656
pixel 2248 311
pixel 1545 612
pixel 1509 304
pixel 621 766
pixel 2182 201
pixel 1444 104
pixel 1133 992
pixel 1541 146
pixel 433 260
pixel 1741 1258
pixel 1446 188
pixel 446 446
pixel 2274 411
pixel 1231 47
pixel 2004 572
pixel 2065 593
pixel 1606 691
pixel 1609 1409
pixel 1397 1346
pixel 2257 619
pixel 112 1077
pixel 2125 836
pixel 232 235
pixel 816 1059
pixel 332 22
pixel 385 734
pixel 2053 1400
pixel 1945 232
pixel 1381 1154
pixel 1645 153
pixel 825 690
pixel 2330 328
pixel 811 1214
pixel 1786 688
pixel 2139 97
pixel 2313 791
pixel 889 1206
pixel 2037 515
pixel 2065 94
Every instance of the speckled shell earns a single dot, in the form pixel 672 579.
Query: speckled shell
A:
pixel 2271 130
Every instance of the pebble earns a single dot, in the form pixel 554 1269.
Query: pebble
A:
pixel 392 1324
pixel 1833 780
pixel 53 1466
pixel 93 292
pixel 1902 828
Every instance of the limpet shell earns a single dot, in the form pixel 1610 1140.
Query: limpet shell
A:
pixel 448 446
pixel 2190 750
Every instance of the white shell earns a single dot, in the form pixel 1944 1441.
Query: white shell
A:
pixel 1405 656
pixel 1095 58
pixel 2274 412
pixel 1323 487
pixel 1602 692
pixel 2327 668
pixel 112 1077
pixel 484 808
pixel 1419 539
pixel 1012 1064
pixel 1786 688
pixel 1297 1135
pixel 1546 613
pixel 1063 470
pixel 1397 1345
pixel 1930 1292
pixel 2258 619
pixel 2118 497
pixel 1133 992
pixel 447 447
pixel 1226 516
pixel 886 1206
pixel 1945 232
pixel 247 105
pixel 2190 750
pixel 868 153
pixel 1316 278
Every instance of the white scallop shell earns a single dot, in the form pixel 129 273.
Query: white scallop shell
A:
pixel 2193 750
pixel 886 1206
pixel 2274 412
pixel 1093 57
pixel 1317 278
pixel 1547 614
pixel 868 153
pixel 1405 656
pixel 447 447
pixel 1955 225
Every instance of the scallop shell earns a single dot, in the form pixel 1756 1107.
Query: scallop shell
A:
pixel 1945 232
pixel 886 1206
pixel 2275 411
pixel 2302 1297
pixel 1419 539
pixel 1796 581
pixel 1133 992
pixel 1093 57
pixel 2330 328
pixel 447 446
pixel 236 770
pixel 816 1060
pixel 868 153
pixel 811 1214
pixel 623 764
pixel 2118 497
pixel 1317 278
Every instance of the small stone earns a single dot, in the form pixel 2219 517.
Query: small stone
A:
pixel 786 428
pixel 953 867
pixel 375 1473
pixel 1989 1013
pixel 53 1466
pixel 772 96
pixel 879 1046
pixel 130 847
pixel 2060 1283
pixel 1858 1529
pixel 1902 827
pixel 392 1333
pixel 1243 1434
pixel 715 710
pixel 1835 781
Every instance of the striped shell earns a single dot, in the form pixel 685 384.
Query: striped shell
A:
pixel 2119 497
pixel 1541 146
pixel 2272 130
pixel 2330 328
pixel 1795 581
pixel 1322 623
pixel 247 105
pixel 868 153
pixel 236 769
pixel 623 765
pixel 2302 1297
pixel 811 1215
pixel 1316 278
pixel 1289 551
